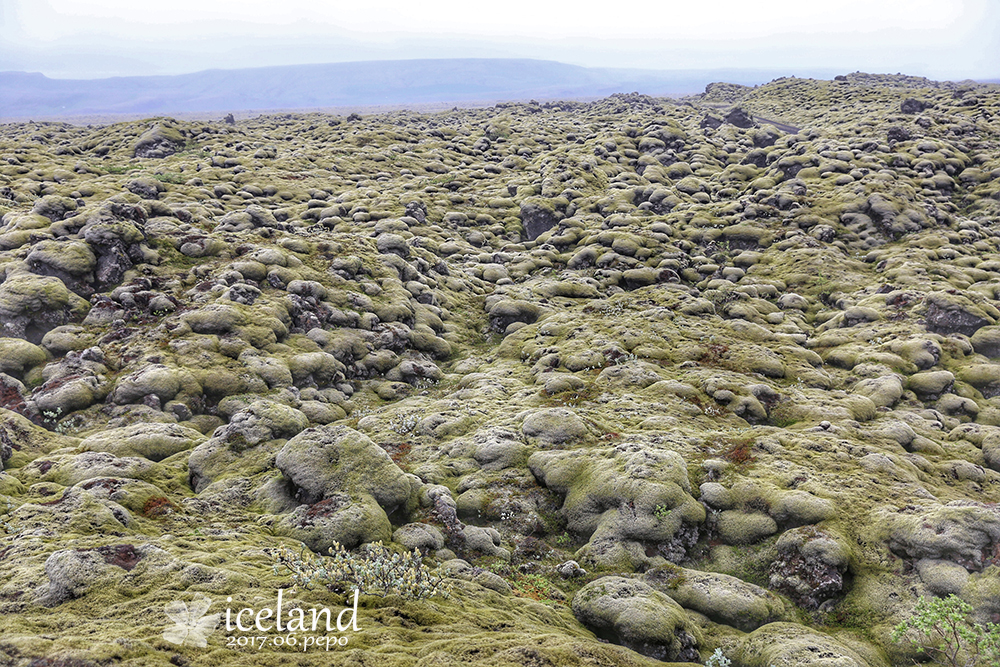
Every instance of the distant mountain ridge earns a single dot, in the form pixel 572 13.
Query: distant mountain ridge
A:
pixel 366 83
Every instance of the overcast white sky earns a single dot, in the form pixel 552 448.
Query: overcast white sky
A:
pixel 942 39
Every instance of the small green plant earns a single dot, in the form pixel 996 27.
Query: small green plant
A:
pixel 534 587
pixel 718 660
pixel 723 295
pixel 945 631
pixel 500 568
pixel 564 541
pixel 661 512
pixel 372 570
pixel 403 423
pixel 50 418
pixel 6 507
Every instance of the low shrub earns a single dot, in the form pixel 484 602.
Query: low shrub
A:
pixel 373 570
pixel 945 631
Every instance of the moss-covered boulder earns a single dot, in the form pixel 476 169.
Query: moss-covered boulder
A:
pixel 951 313
pixel 421 536
pixel 635 615
pixel 334 459
pixel 621 499
pixel 32 305
pixel 554 427
pixel 150 441
pixel 984 377
pixel 74 511
pixel 538 215
pixel 883 391
pixel 723 598
pixel 18 356
pixel 986 341
pixel 140 498
pixel 246 444
pixel 930 384
pixel 341 518
pixel 155 380
pixel 73 262
pixel 744 527
pixel 507 312
pixel 72 572
pixel 68 469
pixel 64 395
pixel 961 532
pixel 811 566
pixel 159 141
pixel 797 646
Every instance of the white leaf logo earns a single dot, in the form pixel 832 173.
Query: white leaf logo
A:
pixel 191 627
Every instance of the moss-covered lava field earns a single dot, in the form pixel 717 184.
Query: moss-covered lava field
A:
pixel 643 379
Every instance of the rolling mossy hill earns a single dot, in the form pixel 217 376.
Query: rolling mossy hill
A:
pixel 642 378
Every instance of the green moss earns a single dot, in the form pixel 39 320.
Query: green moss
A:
pixel 616 274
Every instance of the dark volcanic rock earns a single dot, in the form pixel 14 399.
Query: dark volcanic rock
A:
pixel 896 134
pixel 537 216
pixel 948 315
pixel 810 567
pixel 711 121
pixel 911 105
pixel 739 118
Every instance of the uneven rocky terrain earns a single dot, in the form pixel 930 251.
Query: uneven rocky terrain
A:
pixel 737 356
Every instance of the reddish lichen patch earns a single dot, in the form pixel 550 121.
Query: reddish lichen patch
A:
pixel 739 451
pixel 157 506
pixel 11 399
pixel 397 451
pixel 58 500
pixel 6 433
pixel 324 508
pixel 120 555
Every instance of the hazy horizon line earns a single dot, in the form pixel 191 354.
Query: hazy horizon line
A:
pixel 814 70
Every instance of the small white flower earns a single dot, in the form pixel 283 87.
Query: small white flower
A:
pixel 192 626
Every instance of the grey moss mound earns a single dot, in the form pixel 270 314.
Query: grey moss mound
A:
pixel 644 378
